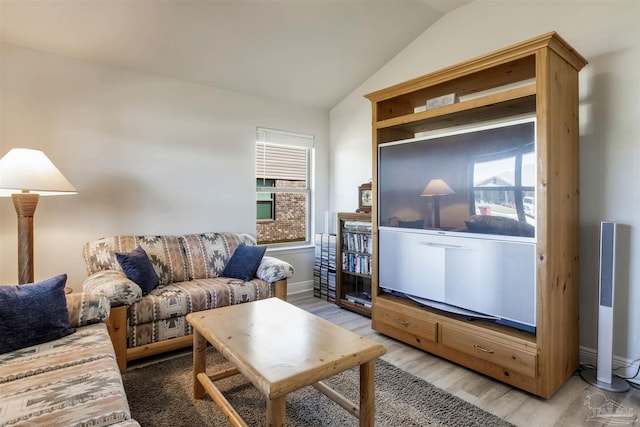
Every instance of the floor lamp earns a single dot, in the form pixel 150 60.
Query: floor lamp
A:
pixel 25 175
pixel 436 188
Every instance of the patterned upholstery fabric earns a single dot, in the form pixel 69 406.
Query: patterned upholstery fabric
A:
pixel 272 269
pixel 189 268
pixel 72 381
pixel 165 252
pixel 114 285
pixel 208 253
pixel 86 309
pixel 160 315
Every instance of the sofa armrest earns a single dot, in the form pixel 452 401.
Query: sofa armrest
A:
pixel 273 270
pixel 85 309
pixel 114 285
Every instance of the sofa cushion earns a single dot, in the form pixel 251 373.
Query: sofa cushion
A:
pixel 164 252
pixel 179 299
pixel 70 381
pixel 138 268
pixel 33 313
pixel 244 262
pixel 208 253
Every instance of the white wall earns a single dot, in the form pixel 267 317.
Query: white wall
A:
pixel 147 154
pixel 607 34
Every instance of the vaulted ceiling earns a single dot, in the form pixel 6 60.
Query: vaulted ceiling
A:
pixel 306 52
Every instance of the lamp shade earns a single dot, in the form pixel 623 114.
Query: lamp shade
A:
pixel 27 170
pixel 437 187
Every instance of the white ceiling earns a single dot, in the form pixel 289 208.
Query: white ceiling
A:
pixel 306 52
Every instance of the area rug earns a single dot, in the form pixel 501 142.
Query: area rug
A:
pixel 160 394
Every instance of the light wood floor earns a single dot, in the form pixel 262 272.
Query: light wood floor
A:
pixel 569 406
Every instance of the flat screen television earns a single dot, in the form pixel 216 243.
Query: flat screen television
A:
pixel 457 221
pixel 476 180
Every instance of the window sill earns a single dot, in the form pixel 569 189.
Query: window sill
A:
pixel 290 248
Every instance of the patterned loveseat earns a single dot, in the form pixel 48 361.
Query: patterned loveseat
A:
pixel 70 381
pixel 189 269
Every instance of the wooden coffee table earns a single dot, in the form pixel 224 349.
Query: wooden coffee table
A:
pixel 281 348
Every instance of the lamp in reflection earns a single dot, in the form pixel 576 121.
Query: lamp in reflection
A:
pixel 436 188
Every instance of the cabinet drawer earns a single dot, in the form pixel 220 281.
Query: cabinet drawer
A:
pixel 513 355
pixel 405 324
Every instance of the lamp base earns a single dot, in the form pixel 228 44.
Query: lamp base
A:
pixel 436 211
pixel 25 204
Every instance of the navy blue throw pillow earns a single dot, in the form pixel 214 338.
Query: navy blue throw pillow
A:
pixel 138 268
pixel 33 313
pixel 244 262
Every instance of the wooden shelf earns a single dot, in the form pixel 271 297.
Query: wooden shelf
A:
pixel 349 282
pixel 495 106
pixel 353 273
pixel 358 308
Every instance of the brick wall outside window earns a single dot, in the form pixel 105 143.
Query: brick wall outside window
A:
pixel 290 217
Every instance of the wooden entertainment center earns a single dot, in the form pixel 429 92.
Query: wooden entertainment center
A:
pixel 537 77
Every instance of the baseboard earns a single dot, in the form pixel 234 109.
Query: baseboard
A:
pixel 621 366
pixel 299 287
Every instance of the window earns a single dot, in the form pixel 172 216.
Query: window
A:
pixel 266 203
pixel 504 185
pixel 283 190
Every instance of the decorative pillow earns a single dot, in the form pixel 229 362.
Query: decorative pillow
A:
pixel 244 262
pixel 138 269
pixel 33 313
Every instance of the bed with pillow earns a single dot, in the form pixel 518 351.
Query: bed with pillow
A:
pixel 153 282
pixel 57 364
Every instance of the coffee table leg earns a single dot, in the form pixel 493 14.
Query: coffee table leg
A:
pixel 199 363
pixel 276 412
pixel 367 394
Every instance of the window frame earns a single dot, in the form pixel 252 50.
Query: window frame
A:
pixel 273 137
pixel 518 188
pixel 271 201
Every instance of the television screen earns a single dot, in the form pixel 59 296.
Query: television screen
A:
pixel 477 180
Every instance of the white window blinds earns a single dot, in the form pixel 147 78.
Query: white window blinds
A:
pixel 282 155
pixel 281 162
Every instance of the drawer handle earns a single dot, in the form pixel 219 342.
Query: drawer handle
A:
pixel 402 322
pixel 480 348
